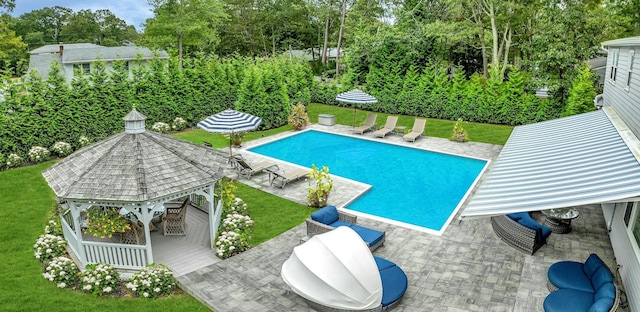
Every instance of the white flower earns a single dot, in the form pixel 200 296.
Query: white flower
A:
pixel 145 294
pixel 62 285
pixel 157 289
pixel 108 289
pixel 87 287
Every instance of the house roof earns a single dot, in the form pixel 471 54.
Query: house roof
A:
pixel 134 167
pixel 55 48
pixel 582 159
pixel 629 41
pixel 86 55
pixel 598 62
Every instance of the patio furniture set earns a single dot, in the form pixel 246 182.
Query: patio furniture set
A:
pixel 390 126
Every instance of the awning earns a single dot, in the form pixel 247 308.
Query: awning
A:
pixel 576 160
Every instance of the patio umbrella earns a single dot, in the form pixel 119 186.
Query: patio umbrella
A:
pixel 230 121
pixel 355 96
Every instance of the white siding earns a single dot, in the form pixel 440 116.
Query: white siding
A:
pixel 625 255
pixel 626 102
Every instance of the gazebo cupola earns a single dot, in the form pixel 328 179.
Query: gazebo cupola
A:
pixel 134 122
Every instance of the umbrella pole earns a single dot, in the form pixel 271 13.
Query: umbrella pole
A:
pixel 354 116
pixel 230 152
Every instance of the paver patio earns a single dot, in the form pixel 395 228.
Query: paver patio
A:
pixel 466 269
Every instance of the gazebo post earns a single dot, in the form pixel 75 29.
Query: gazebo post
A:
pixel 147 235
pixel 75 215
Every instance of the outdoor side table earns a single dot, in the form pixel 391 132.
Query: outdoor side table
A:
pixel 559 219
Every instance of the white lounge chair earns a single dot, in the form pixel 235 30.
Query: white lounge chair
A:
pixel 369 124
pixel 389 126
pixel 417 131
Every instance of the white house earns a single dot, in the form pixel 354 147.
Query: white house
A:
pixel 590 158
pixel 82 55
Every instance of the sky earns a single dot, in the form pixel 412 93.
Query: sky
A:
pixel 134 12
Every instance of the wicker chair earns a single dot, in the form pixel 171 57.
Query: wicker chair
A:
pixel 174 221
pixel 134 235
pixel 314 227
pixel 516 235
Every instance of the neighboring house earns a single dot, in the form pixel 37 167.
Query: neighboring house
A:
pixel 82 55
pixel 585 159
pixel 315 54
pixel 599 66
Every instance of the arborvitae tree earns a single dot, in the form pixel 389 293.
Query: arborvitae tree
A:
pixel 582 93
pixel 251 96
pixel 30 125
pixel 62 124
pixel 121 91
pixel 298 79
pixel 457 86
pixel 277 104
pixel 473 98
pixel 410 99
pixel 101 102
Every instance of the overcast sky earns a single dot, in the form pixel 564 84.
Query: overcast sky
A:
pixel 134 12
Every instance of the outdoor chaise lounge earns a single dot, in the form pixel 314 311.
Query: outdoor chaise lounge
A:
pixel 329 218
pixel 577 286
pixel 246 170
pixel 417 131
pixel 335 271
pixel 520 231
pixel 389 126
pixel 289 176
pixel 369 124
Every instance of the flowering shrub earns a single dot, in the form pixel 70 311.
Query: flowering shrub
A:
pixel 152 282
pixel 230 243
pixel 318 193
pixel 237 137
pixel 99 279
pixel 161 127
pixel 228 196
pixel 83 141
pixel 104 222
pixel 298 117
pixel 62 148
pixel 459 134
pixel 62 271
pixel 178 124
pixel 38 154
pixel 48 247
pixel 237 223
pixel 53 227
pixel 14 160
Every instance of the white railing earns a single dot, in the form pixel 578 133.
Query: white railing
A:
pixel 119 255
pixel 70 236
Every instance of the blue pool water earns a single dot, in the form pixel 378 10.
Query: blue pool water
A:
pixel 409 185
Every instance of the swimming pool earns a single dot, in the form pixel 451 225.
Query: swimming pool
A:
pixel 409 185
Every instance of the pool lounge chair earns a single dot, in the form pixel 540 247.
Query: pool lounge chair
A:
pixel 389 126
pixel 369 124
pixel 417 131
pixel 290 176
pixel 246 170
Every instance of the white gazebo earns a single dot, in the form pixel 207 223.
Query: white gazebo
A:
pixel 137 170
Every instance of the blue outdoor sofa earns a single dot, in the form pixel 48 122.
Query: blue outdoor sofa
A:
pixel 520 231
pixel 577 286
pixel 328 218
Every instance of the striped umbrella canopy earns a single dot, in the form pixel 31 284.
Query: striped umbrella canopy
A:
pixel 230 121
pixel 355 96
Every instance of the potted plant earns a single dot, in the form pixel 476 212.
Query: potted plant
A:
pixel 318 193
pixel 105 222
pixel 236 138
pixel 298 118
pixel 459 133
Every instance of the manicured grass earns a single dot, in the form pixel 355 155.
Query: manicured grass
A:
pixel 272 215
pixel 27 201
pixel 218 140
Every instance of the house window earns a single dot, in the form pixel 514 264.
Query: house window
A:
pixel 633 223
pixel 85 68
pixel 627 213
pixel 126 66
pixel 614 65
pixel 631 59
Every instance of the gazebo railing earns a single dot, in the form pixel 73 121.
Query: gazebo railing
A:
pixel 120 256
pixel 70 236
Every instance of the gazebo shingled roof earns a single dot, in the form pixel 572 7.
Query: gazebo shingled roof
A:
pixel 134 166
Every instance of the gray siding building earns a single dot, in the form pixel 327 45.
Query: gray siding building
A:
pixel 81 56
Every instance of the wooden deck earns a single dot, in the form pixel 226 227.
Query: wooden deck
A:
pixel 185 254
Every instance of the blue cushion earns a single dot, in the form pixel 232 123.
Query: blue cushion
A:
pixel 602 305
pixel 394 284
pixel 602 276
pixel 569 275
pixel 326 215
pixel 532 224
pixel 340 223
pixel 383 263
pixel 368 235
pixel 517 216
pixel 568 300
pixel 608 290
pixel 592 264
pixel 545 232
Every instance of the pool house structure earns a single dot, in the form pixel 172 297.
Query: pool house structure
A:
pixel 137 172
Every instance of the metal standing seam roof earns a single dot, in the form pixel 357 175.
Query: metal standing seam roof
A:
pixel 564 162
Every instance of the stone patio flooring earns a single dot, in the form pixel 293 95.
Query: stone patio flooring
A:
pixel 468 268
